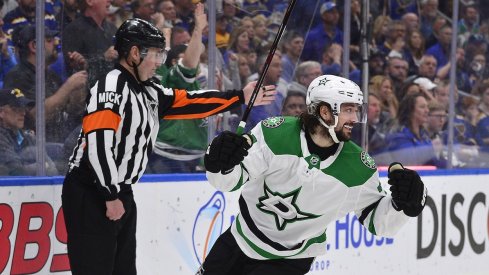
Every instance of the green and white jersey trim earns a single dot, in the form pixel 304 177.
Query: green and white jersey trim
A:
pixel 289 196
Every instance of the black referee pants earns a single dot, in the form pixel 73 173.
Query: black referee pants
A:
pixel 226 258
pixel 97 245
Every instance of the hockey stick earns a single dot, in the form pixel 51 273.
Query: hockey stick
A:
pixel 242 123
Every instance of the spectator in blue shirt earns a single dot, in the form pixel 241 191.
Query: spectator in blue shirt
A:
pixel 293 45
pixel 441 50
pixel 323 34
pixel 25 14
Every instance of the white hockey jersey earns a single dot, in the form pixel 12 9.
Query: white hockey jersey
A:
pixel 290 196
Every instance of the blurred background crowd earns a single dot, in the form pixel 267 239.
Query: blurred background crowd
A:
pixel 409 69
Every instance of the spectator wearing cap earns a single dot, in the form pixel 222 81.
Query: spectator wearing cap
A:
pixel 25 13
pixel 292 49
pixel 87 41
pixel 61 98
pixel 426 87
pixel 18 147
pixel 323 34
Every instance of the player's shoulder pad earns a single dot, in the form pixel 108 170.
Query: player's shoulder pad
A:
pixel 282 135
pixel 353 166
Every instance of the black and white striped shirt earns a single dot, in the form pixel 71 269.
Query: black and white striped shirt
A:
pixel 121 123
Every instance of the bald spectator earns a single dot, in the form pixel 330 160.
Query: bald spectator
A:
pixel 427 67
pixel 397 69
pixel 411 21
pixel 305 73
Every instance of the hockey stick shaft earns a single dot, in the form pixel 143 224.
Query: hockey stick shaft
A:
pixel 242 123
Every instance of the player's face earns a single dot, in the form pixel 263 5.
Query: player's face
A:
pixel 348 116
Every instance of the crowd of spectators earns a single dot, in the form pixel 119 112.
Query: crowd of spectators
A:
pixel 409 68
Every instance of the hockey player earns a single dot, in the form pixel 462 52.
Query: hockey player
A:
pixel 299 175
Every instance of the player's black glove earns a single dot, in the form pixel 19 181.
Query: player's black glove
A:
pixel 408 191
pixel 225 152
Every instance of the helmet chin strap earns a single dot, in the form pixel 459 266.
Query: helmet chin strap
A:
pixel 136 71
pixel 331 131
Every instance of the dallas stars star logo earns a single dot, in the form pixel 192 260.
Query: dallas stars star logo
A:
pixel 323 81
pixel 283 207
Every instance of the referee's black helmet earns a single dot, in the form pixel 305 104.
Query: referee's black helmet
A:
pixel 140 33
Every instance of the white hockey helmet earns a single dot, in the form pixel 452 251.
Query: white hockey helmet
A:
pixel 335 91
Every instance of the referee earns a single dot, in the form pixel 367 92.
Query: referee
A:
pixel 119 130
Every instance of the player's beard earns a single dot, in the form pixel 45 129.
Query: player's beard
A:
pixel 342 135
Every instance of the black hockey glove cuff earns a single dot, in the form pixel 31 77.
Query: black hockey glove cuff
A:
pixel 225 152
pixel 408 191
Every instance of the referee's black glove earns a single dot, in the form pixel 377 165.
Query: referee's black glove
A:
pixel 408 191
pixel 225 152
